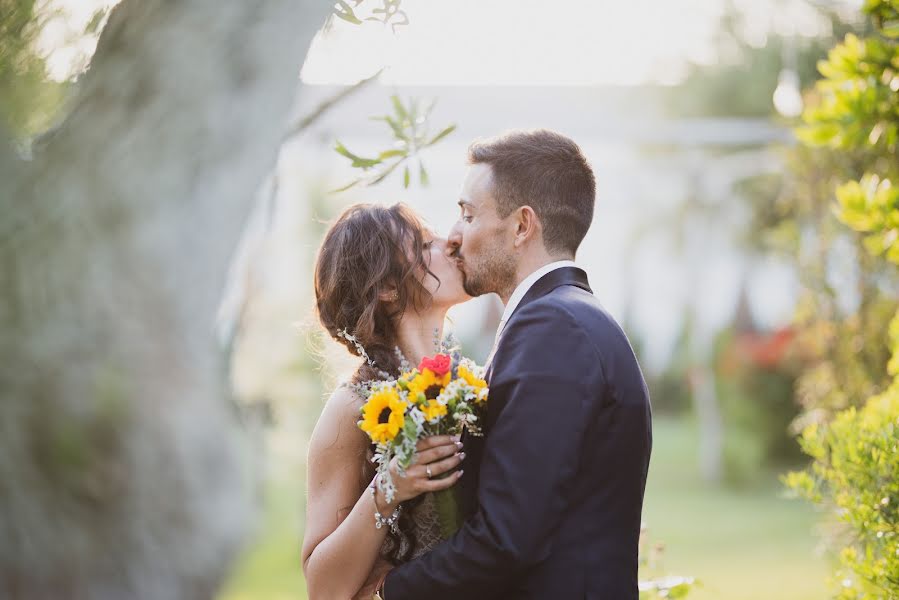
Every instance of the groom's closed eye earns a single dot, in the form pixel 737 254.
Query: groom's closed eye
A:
pixel 464 213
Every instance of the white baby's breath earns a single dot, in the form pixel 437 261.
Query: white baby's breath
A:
pixel 466 400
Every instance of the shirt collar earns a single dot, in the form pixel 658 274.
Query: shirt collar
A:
pixel 525 285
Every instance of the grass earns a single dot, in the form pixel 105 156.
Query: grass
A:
pixel 741 543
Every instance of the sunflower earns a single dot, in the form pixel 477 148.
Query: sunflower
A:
pixel 479 385
pixel 428 384
pixel 433 410
pixel 383 415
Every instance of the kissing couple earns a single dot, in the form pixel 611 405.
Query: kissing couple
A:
pixel 552 492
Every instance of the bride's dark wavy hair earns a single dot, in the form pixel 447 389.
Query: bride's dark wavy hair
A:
pixel 370 249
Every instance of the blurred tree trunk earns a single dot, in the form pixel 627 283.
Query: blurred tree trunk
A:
pixel 711 425
pixel 122 468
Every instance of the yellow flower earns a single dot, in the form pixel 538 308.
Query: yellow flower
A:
pixel 427 383
pixel 474 381
pixel 383 415
pixel 433 410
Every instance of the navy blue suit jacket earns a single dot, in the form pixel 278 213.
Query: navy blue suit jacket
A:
pixel 555 489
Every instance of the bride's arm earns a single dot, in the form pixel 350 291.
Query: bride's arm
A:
pixel 368 589
pixel 341 543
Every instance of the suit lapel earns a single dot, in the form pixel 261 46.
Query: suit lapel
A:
pixel 559 277
pixel 556 278
pixel 475 445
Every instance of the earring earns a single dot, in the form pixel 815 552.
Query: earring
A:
pixel 394 296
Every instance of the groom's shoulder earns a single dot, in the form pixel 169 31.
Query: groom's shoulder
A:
pixel 570 307
pixel 568 302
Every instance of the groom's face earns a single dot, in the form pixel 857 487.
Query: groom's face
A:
pixel 480 240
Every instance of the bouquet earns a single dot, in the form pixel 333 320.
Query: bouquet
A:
pixel 442 395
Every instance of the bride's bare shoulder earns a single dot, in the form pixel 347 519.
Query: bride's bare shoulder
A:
pixel 337 427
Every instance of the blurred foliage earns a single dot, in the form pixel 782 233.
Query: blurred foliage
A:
pixel 788 213
pixel 29 101
pixel 409 127
pixel 856 462
pixel 670 389
pixel 847 296
pixel 758 405
pixel 857 101
pixel 872 207
pixel 389 13
pixel 742 80
pixel 856 453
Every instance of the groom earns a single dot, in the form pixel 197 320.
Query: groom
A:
pixel 555 489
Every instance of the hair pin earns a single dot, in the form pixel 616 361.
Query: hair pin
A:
pixel 360 349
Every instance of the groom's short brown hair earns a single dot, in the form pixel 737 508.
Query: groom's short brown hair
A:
pixel 546 171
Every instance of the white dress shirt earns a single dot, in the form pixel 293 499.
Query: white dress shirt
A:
pixel 519 293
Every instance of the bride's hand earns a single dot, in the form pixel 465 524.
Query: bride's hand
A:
pixel 435 456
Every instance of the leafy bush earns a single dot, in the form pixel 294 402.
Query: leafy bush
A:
pixel 855 469
pixel 856 473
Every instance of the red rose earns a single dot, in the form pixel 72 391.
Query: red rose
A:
pixel 439 365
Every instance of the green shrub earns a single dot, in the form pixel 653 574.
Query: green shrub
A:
pixel 856 473
pixel 855 468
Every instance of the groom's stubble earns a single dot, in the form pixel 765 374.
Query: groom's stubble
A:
pixel 490 270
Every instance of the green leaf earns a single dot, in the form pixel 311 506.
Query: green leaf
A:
pixel 343 11
pixel 385 173
pixel 827 69
pixel 800 483
pixel 346 187
pixel 819 134
pixel 430 107
pixel 399 109
pixel 871 5
pixel 341 149
pixel 413 110
pixel 406 176
pixel 422 174
pixel 679 591
pixel 875 244
pixel 358 161
pixel 397 128
pixel 441 135
pixel 392 153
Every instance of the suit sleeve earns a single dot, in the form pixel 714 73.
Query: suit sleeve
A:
pixel 548 374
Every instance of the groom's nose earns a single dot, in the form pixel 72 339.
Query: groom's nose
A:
pixel 454 240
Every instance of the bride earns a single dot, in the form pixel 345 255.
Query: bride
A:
pixel 387 279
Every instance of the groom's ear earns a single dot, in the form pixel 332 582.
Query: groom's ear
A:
pixel 527 225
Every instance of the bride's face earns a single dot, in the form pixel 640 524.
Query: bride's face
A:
pixel 448 291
